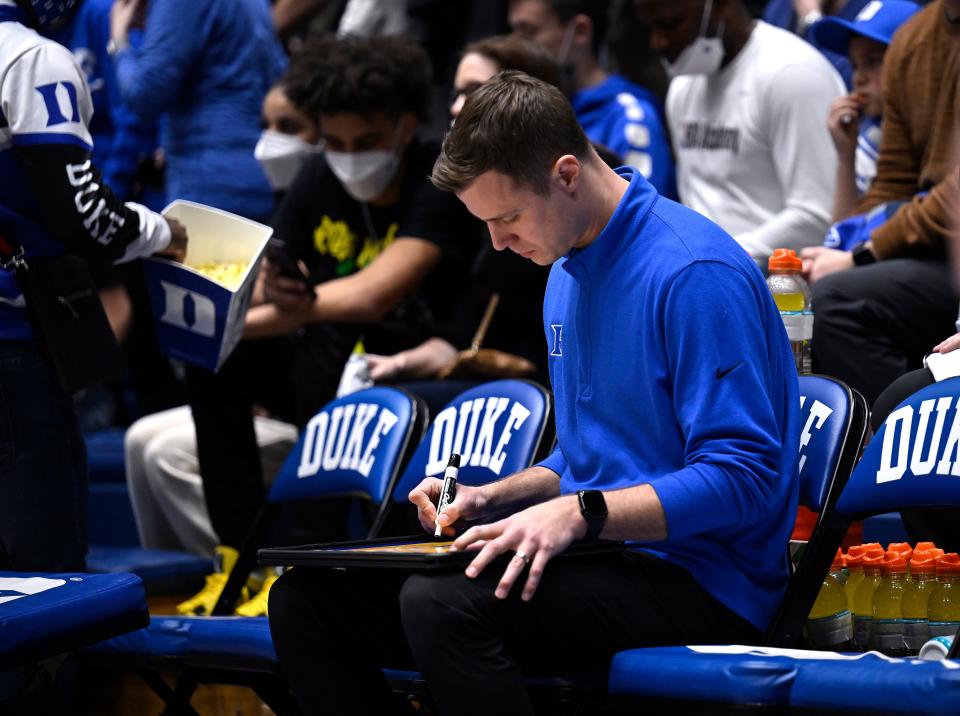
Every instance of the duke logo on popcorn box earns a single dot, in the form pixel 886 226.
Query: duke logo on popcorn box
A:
pixel 199 316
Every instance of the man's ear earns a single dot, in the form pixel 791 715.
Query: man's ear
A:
pixel 566 172
pixel 582 30
pixel 408 128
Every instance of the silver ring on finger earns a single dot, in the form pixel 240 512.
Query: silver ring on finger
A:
pixel 522 555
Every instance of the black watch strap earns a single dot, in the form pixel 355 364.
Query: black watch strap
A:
pixel 862 254
pixel 593 507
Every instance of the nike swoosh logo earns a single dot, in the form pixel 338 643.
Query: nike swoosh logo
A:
pixel 721 374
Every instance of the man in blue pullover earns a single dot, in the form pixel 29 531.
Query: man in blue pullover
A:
pixel 677 421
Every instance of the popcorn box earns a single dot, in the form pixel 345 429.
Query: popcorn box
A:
pixel 199 306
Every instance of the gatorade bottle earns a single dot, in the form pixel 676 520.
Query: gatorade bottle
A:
pixel 902 548
pixel 887 628
pixel 916 593
pixel 943 607
pixel 830 625
pixel 792 296
pixel 855 567
pixel 356 372
pixel 863 600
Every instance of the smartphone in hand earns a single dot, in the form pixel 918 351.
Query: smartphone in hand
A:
pixel 288 267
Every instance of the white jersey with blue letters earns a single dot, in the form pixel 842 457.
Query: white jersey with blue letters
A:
pixel 51 197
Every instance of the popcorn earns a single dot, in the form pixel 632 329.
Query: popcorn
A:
pixel 228 275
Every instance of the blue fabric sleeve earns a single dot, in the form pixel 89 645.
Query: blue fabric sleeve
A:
pixel 150 77
pixel 720 360
pixel 554 461
pixel 634 138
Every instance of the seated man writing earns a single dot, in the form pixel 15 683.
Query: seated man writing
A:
pixel 677 415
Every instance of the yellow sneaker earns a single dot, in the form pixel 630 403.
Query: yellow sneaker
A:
pixel 202 603
pixel 257 606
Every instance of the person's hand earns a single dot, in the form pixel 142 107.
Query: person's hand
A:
pixel 468 505
pixel 385 367
pixel 951 344
pixel 819 261
pixel 535 535
pixel 124 15
pixel 843 121
pixel 287 293
pixel 177 248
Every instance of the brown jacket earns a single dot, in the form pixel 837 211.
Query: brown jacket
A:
pixel 920 150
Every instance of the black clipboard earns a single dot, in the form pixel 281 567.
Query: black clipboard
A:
pixel 415 553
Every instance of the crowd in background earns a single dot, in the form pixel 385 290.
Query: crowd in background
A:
pixel 823 126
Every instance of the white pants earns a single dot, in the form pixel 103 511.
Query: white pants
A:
pixel 163 477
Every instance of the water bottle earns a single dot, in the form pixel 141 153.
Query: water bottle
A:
pixel 830 624
pixel 855 567
pixel 943 607
pixel 916 594
pixel 792 296
pixel 356 372
pixel 863 600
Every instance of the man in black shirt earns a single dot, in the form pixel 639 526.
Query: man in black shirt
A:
pixel 380 248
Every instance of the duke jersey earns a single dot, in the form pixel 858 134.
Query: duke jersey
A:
pixel 51 197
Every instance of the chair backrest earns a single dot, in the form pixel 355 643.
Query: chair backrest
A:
pixel 834 425
pixel 913 460
pixel 497 428
pixel 354 446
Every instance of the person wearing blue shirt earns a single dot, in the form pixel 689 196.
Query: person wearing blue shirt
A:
pixel 614 112
pixel 677 415
pixel 207 65
pixel 121 140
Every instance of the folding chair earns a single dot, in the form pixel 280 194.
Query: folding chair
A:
pixel 834 427
pixel 912 462
pixel 354 447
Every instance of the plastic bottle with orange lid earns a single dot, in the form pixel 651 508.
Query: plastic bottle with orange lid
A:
pixel 863 599
pixel 902 548
pixel 916 594
pixel 792 296
pixel 830 624
pixel 943 606
pixel 855 567
pixel 887 627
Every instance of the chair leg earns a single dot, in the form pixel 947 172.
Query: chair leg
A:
pixel 276 695
pixel 176 701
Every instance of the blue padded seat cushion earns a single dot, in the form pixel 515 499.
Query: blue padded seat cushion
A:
pixel 105 455
pixel 675 672
pixel 874 683
pixel 162 571
pixel 243 637
pixel 46 614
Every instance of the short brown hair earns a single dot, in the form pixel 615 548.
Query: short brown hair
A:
pixel 515 125
pixel 512 52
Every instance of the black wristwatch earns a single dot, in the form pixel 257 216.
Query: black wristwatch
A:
pixel 593 507
pixel 862 254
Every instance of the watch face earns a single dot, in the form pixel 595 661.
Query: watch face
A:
pixel 593 504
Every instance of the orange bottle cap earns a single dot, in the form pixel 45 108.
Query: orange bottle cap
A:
pixel 784 260
pixel 894 563
pixel 923 546
pixel 949 564
pixel 837 563
pixel 900 548
pixel 873 561
pixel 924 562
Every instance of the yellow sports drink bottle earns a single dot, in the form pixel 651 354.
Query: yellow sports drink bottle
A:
pixel 830 624
pixel 886 629
pixel 863 600
pixel 916 594
pixel 855 567
pixel 943 607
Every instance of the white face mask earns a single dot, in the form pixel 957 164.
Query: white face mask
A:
pixel 281 156
pixel 365 175
pixel 703 56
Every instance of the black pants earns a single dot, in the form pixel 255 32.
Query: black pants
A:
pixel 874 323
pixel 333 631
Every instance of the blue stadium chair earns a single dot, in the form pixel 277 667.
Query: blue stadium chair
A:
pixel 912 462
pixel 834 427
pixel 44 615
pixel 354 447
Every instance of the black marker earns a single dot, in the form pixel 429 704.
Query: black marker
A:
pixel 448 492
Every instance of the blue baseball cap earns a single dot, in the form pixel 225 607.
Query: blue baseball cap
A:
pixel 878 20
